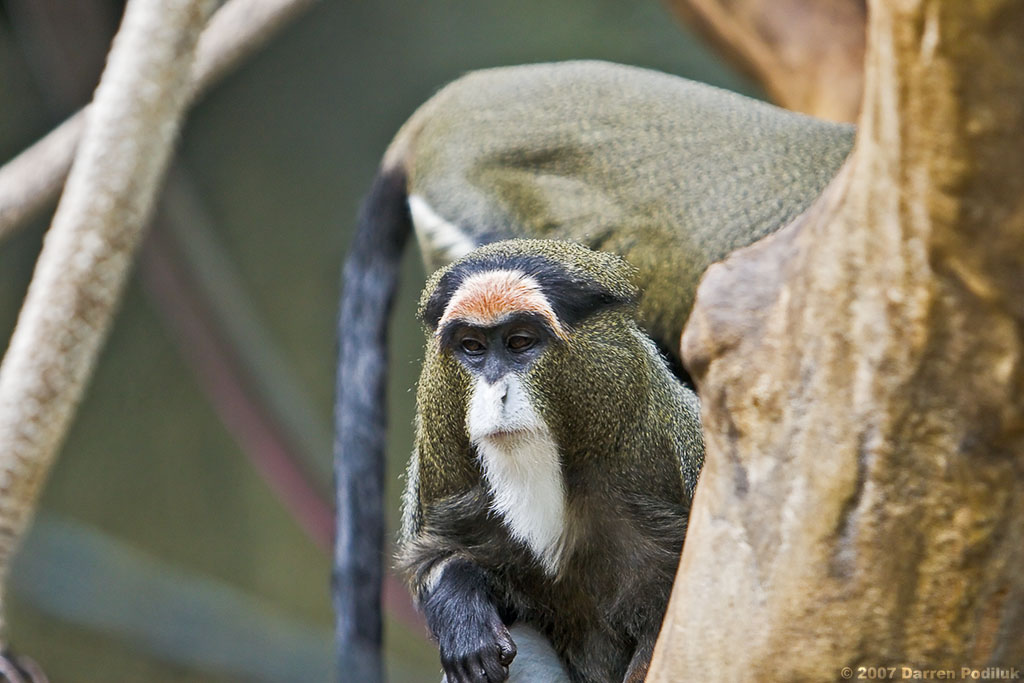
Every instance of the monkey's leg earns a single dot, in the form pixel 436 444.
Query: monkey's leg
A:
pixel 475 644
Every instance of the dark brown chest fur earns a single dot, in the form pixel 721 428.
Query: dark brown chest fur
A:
pixel 612 587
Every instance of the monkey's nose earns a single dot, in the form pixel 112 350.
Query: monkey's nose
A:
pixel 504 392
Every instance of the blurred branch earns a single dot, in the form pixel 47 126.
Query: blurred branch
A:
pixel 32 179
pixel 200 297
pixel 196 289
pixel 80 575
pixel 807 54
pixel 217 370
pixel 76 286
pixel 238 369
pixel 189 239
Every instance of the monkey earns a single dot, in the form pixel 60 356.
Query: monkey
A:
pixel 556 456
pixel 669 174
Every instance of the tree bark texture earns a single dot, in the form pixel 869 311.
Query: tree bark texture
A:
pixel 863 390
pixel 127 139
pixel 808 55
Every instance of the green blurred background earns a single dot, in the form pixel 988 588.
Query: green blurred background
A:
pixel 161 554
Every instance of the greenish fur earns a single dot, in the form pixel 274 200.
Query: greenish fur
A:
pixel 670 174
pixel 629 437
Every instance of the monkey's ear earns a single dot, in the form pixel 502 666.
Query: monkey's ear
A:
pixel 436 295
pixel 430 314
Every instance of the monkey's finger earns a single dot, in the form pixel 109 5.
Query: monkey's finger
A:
pixel 496 672
pixel 470 670
pixel 506 648
pixel 452 670
pixel 481 667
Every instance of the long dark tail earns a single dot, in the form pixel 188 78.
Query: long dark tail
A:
pixel 369 283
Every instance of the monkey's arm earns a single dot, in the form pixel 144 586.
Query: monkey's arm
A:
pixel 462 615
pixel 456 598
pixel 454 593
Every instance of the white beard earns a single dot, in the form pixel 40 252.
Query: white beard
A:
pixel 521 465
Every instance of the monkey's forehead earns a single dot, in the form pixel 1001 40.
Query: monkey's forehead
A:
pixel 573 280
pixel 485 298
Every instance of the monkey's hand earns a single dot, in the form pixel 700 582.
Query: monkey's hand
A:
pixel 475 644
pixel 478 650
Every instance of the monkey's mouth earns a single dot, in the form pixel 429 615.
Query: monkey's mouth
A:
pixel 507 436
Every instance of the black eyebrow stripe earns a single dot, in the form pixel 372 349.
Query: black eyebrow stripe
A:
pixel 446 335
pixel 571 296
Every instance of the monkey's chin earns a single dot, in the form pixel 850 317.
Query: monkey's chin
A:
pixel 505 438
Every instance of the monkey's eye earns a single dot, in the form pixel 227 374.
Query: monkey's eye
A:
pixel 472 346
pixel 520 341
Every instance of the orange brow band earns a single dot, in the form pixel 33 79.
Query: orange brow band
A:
pixel 485 298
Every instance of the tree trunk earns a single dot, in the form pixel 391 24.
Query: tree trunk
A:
pixel 863 389
pixel 127 139
pixel 808 55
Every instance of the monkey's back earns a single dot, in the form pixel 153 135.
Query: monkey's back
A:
pixel 668 173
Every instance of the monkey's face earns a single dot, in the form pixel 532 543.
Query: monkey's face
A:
pixel 497 323
pixel 498 359
pixel 509 310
